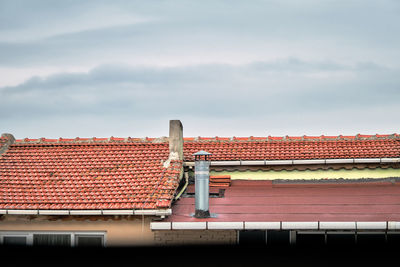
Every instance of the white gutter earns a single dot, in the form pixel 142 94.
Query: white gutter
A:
pixel 160 212
pixel 300 225
pixel 337 225
pixel 243 225
pixel 298 162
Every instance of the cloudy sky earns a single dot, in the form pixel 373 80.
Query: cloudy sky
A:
pixel 224 68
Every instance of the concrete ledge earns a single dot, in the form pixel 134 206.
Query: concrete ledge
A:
pixel 163 212
pixel 262 225
pixel 297 162
pixel 371 225
pixel 338 161
pixel 299 225
pixel 337 225
pixel 85 212
pixel 117 212
pixel 252 162
pixel 367 160
pixel 22 212
pixel 160 225
pixel 390 160
pixel 53 212
pixel 189 225
pixel 225 163
pixel 393 225
pixel 278 162
pixel 275 225
pixel 310 161
pixel 225 225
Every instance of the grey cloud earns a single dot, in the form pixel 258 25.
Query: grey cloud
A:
pixel 314 65
pixel 188 27
pixel 204 91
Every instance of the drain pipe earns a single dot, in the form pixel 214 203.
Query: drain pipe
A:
pixel 202 177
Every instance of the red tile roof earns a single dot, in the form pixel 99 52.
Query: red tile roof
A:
pixel 128 173
pixel 290 148
pixel 264 201
pixel 70 174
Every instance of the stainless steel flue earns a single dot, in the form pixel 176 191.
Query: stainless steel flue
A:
pixel 202 178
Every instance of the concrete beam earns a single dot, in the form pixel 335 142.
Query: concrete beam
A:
pixel 262 225
pixel 189 225
pixel 337 225
pixel 300 225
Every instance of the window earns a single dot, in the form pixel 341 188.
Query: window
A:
pixel 311 238
pixel 341 238
pixel 89 240
pixel 41 238
pixel 371 238
pixel 252 237
pixel 51 240
pixel 393 238
pixel 14 240
pixel 278 238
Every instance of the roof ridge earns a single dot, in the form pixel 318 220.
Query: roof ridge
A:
pixel 112 139
pixel 93 140
pixel 296 138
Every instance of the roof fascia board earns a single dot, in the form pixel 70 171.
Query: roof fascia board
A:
pixel 371 225
pixel 189 225
pixel 165 212
pixel 298 162
pixel 160 225
pixel 299 225
pixel 262 225
pixel 243 225
pixel 337 225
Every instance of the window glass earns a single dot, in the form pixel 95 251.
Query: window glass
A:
pixel 51 240
pixel 347 239
pixel 252 237
pixel 278 238
pixel 14 240
pixel 393 239
pixel 89 241
pixel 311 239
pixel 371 239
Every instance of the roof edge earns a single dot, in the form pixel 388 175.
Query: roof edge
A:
pixel 298 162
pixel 277 225
pixel 154 212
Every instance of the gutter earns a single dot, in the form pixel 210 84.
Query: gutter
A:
pixel 160 212
pixel 297 162
pixel 280 225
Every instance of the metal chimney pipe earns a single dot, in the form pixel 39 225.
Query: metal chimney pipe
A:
pixel 202 177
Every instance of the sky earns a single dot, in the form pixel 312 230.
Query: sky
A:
pixel 224 68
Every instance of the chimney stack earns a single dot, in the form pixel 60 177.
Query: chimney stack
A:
pixel 8 139
pixel 176 138
pixel 202 178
